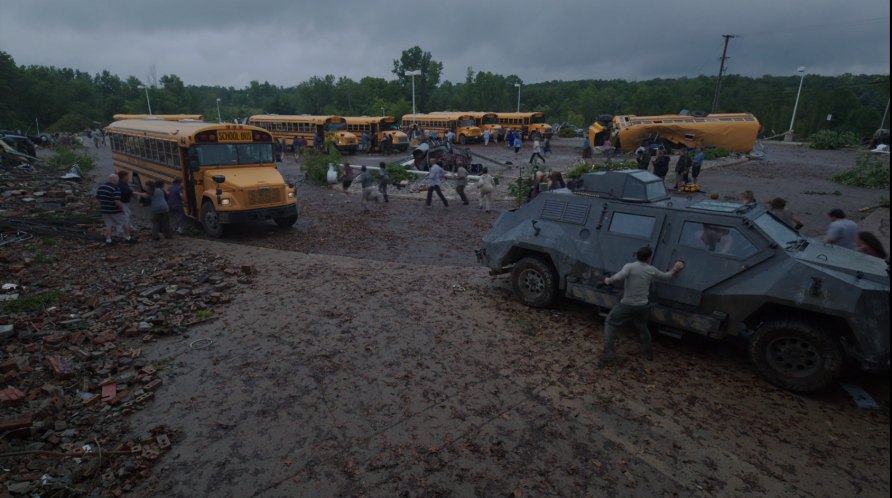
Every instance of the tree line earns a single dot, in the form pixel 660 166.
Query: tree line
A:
pixel 65 99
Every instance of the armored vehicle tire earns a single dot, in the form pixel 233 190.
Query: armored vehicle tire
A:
pixel 285 221
pixel 534 281
pixel 796 355
pixel 210 221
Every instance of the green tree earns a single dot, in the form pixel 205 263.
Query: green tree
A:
pixel 426 83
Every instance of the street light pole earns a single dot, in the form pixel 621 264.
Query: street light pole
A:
pixel 788 137
pixel 518 96
pixel 382 111
pixel 413 74
pixel 219 117
pixel 147 97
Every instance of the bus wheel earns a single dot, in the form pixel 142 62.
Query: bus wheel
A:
pixel 463 140
pixel 210 220
pixel 285 221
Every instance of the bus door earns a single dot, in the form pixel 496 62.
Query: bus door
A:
pixel 187 158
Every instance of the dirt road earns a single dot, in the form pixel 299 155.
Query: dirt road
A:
pixel 370 356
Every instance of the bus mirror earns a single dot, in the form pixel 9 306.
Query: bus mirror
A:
pixel 218 179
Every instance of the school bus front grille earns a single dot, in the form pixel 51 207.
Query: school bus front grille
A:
pixel 265 196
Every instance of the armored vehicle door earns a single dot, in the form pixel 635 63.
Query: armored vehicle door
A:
pixel 624 228
pixel 714 249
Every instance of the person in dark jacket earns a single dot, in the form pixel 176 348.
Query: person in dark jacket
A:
pixel 682 169
pixel 661 165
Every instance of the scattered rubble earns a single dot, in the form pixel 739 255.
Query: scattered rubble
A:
pixel 74 317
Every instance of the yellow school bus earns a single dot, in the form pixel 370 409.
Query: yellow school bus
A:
pixel 736 132
pixel 331 130
pixel 488 121
pixel 461 123
pixel 228 171
pixel 378 127
pixel 165 117
pixel 527 122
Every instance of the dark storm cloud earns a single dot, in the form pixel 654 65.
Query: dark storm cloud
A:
pixel 231 43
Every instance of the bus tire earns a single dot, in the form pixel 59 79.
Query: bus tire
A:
pixel 285 221
pixel 210 220
pixel 462 139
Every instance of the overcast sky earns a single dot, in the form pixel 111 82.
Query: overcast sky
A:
pixel 231 43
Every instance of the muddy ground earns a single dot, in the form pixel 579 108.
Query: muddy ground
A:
pixel 372 357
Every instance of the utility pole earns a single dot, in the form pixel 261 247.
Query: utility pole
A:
pixel 718 83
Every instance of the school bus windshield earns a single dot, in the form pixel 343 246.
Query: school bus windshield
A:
pixel 537 118
pixel 331 127
pixel 467 122
pixel 234 154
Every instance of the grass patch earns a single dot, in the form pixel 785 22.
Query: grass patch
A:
pixel 716 153
pixel 869 172
pixel 203 314
pixel 829 139
pixel 64 157
pixel 34 303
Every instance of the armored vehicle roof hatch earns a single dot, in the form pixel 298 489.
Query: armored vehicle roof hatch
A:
pixel 627 185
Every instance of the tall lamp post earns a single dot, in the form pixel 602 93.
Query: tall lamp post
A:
pixel 788 136
pixel 518 96
pixel 382 110
pixel 413 74
pixel 143 87
pixel 219 117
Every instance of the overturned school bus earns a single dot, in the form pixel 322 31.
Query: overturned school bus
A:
pixel 734 132
pixel 802 306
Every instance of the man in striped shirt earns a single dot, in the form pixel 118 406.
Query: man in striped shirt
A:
pixel 112 209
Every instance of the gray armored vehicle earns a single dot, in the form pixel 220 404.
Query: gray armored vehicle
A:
pixel 803 306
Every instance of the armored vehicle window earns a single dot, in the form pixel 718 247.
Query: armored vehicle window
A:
pixel 632 224
pixel 716 238
pixel 780 232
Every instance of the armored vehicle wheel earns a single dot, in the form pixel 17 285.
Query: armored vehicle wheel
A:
pixel 796 355
pixel 210 220
pixel 534 282
pixel 285 221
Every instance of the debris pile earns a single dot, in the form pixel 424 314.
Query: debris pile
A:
pixel 26 192
pixel 74 319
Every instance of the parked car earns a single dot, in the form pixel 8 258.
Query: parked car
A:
pixel 801 306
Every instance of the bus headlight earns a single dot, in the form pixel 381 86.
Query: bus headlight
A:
pixel 226 202
pixel 291 195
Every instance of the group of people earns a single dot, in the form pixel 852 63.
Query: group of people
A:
pixel 116 194
pixel 844 232
pixel 687 169
pixel 373 189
